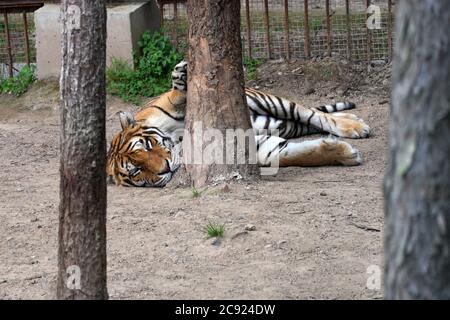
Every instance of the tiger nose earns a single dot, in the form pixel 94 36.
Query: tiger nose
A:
pixel 166 168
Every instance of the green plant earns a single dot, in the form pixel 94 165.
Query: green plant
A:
pixel 317 24
pixel 195 193
pixel 251 66
pixel 151 76
pixel 214 230
pixel 18 84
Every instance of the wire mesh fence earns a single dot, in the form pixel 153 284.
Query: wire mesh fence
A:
pixel 270 29
pixel 358 30
pixel 17 36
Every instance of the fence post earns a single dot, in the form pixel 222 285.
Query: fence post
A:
pixel 8 45
pixel 307 39
pixel 249 31
pixel 27 41
pixel 286 30
pixel 369 35
pixel 390 29
pixel 175 24
pixel 161 14
pixel 266 21
pixel 349 30
pixel 327 9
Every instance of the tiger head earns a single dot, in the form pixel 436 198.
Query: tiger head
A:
pixel 141 156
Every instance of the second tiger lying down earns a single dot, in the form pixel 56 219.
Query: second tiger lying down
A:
pixel 144 153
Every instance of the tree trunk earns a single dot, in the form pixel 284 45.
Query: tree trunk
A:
pixel 417 182
pixel 215 98
pixel 82 211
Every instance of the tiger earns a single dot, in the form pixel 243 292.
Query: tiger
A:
pixel 147 153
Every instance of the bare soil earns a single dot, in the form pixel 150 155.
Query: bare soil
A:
pixel 317 229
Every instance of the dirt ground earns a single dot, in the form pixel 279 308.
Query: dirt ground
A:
pixel 317 229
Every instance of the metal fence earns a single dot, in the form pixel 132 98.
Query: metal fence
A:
pixel 302 28
pixel 17 36
pixel 269 29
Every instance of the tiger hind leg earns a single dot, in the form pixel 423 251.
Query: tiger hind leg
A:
pixel 336 107
pixel 294 152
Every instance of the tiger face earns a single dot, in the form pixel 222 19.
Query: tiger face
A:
pixel 141 156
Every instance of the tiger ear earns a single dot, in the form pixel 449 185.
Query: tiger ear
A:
pixel 126 119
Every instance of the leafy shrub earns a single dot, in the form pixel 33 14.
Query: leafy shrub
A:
pixel 151 75
pixel 251 66
pixel 18 84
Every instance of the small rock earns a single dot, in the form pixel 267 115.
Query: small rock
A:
pixel 3 281
pixel 250 227
pixel 226 188
pixel 281 242
pixel 323 194
pixel 268 246
pixel 34 220
pixel 215 241
pixel 247 249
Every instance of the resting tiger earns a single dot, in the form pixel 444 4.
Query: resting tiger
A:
pixel 145 154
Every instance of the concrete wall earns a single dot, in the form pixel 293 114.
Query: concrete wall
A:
pixel 125 25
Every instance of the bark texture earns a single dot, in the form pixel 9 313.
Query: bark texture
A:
pixel 215 85
pixel 417 182
pixel 82 212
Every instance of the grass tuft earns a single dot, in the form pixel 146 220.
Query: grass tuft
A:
pixel 195 193
pixel 214 230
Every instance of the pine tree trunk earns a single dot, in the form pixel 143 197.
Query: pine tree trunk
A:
pixel 215 88
pixel 417 183
pixel 82 212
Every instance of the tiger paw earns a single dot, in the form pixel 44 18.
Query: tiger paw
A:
pixel 340 152
pixel 351 127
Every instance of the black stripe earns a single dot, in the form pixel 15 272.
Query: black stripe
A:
pixel 282 106
pixel 260 143
pixel 263 97
pixel 282 145
pixel 291 110
pixel 259 105
pixel 274 106
pixel 266 125
pixel 321 124
pixel 308 123
pixel 168 114
pixel 270 152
